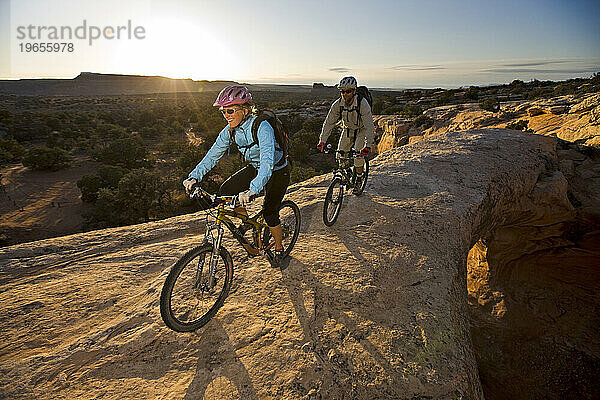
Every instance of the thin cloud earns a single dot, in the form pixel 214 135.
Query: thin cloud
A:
pixel 541 71
pixel 340 69
pixel 417 67
pixel 534 64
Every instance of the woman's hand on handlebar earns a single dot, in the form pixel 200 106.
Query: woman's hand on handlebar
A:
pixel 246 197
pixel 189 183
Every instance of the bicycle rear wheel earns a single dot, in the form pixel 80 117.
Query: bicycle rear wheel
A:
pixel 333 201
pixel 290 217
pixel 187 301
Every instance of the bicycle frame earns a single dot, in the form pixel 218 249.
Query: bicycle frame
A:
pixel 223 218
pixel 344 171
pixel 224 213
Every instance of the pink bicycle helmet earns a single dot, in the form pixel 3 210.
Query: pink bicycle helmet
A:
pixel 231 95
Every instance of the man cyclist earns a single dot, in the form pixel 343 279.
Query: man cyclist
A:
pixel 356 122
pixel 267 166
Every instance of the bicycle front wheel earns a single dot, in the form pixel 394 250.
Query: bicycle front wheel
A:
pixel 189 297
pixel 333 201
pixel 289 215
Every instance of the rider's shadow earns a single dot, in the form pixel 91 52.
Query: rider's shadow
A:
pixel 318 307
pixel 219 374
pixel 335 316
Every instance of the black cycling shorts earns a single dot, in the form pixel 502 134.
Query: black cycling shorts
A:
pixel 274 189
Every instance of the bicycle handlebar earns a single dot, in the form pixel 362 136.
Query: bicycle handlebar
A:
pixel 216 199
pixel 349 154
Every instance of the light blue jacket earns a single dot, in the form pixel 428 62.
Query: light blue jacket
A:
pixel 263 156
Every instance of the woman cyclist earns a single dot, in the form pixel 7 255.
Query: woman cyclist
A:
pixel 267 168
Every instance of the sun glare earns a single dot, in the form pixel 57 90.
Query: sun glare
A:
pixel 177 49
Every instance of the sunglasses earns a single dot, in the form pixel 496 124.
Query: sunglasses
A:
pixel 344 91
pixel 230 110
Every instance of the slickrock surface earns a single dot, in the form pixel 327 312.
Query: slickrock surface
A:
pixel 571 118
pixel 373 307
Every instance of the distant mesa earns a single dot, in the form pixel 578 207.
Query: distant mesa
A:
pixel 96 84
pixel 92 83
pixel 321 89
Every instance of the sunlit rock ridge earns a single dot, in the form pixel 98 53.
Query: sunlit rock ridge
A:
pixel 414 293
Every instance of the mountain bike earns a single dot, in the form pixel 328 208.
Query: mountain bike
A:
pixel 199 282
pixel 343 178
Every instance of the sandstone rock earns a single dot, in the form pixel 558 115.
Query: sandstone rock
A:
pixel 595 116
pixel 546 117
pixel 593 142
pixel 392 131
pixel 415 139
pixel 380 297
pixel 587 104
pixel 534 111
pixel 521 108
pixel 567 167
pixel 558 109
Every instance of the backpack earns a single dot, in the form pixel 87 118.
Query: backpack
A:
pixel 282 140
pixel 364 93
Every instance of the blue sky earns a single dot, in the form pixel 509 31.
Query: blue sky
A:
pixel 384 43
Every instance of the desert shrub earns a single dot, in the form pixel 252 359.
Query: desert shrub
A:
pixel 189 158
pixel 292 122
pixel 172 146
pixel 129 152
pixel 111 175
pixel 210 121
pixel 302 143
pixel 444 98
pixel 490 104
pixel 564 89
pixel 108 177
pixel 53 122
pixel 57 139
pixel 140 196
pixel 379 104
pixel 411 110
pixel 47 159
pixel 313 124
pixel 110 131
pixel 392 109
pixel 146 119
pixel 300 173
pixel 89 185
pixel 150 132
pixel 6 116
pixel 28 127
pixel 539 93
pixel 423 121
pixel 472 93
pixel 10 151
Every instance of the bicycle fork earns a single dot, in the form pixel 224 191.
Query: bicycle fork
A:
pixel 214 256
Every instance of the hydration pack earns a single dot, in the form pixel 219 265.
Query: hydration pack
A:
pixel 364 93
pixel 282 140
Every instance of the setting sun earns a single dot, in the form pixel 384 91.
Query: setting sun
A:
pixel 178 49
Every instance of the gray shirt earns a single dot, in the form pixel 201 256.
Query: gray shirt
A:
pixel 349 118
